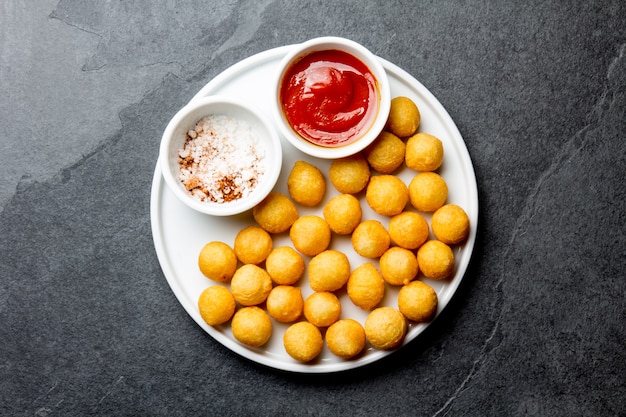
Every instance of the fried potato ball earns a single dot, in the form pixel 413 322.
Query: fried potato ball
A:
pixel 408 230
pixel 284 265
pixel 285 303
pixel 450 224
pixel 345 338
pixel 322 308
pixel 216 305
pixel 306 184
pixel 428 191
pixel 417 301
pixel 370 239
pixel 217 261
pixel 303 341
pixel 350 175
pixel 435 259
pixel 366 286
pixel 343 213
pixel 398 266
pixel 386 154
pixel 385 328
pixel 310 235
pixel 250 285
pixel 251 326
pixel 404 117
pixel 276 213
pixel 329 270
pixel 424 152
pixel 253 245
pixel 387 195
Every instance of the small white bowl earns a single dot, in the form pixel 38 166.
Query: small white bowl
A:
pixel 369 134
pixel 175 135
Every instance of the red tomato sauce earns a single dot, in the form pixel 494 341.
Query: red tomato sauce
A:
pixel 329 97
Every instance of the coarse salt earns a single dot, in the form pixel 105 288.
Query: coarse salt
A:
pixel 220 160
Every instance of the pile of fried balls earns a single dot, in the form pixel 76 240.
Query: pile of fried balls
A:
pixel 256 282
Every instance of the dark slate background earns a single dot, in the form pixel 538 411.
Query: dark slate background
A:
pixel 88 324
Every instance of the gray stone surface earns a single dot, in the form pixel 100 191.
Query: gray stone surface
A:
pixel 88 324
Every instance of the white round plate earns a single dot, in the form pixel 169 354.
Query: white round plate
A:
pixel 179 232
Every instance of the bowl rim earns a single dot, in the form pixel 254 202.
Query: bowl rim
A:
pixel 269 137
pixel 372 61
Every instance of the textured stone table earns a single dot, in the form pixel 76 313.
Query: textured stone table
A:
pixel 88 323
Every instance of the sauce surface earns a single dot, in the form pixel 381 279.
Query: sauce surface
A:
pixel 329 97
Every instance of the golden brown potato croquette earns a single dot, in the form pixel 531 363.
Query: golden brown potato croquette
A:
pixel 387 195
pixel 408 230
pixel 310 235
pixel 450 224
pixel 404 117
pixel 428 191
pixel 285 303
pixel 284 265
pixel 303 341
pixel 345 338
pixel 370 239
pixel 251 326
pixel 385 328
pixel 366 286
pixel 322 308
pixel 216 305
pixel 435 259
pixel 424 152
pixel 251 285
pixel 329 270
pixel 417 301
pixel 386 154
pixel 350 175
pixel 276 213
pixel 217 261
pixel 343 213
pixel 252 245
pixel 398 266
pixel 306 184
